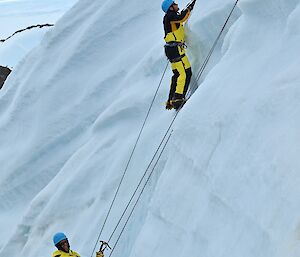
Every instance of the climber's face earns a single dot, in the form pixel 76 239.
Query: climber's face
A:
pixel 175 7
pixel 65 245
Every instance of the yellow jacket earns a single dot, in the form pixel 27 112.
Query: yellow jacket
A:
pixel 59 253
pixel 173 25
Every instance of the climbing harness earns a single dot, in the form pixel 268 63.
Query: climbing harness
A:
pixel 162 144
pixel 169 51
pixel 174 43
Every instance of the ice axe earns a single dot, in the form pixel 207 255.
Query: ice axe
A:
pixel 103 246
pixel 191 3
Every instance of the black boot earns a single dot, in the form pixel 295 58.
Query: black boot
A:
pixel 169 105
pixel 178 101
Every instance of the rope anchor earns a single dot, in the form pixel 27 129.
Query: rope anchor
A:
pixel 103 246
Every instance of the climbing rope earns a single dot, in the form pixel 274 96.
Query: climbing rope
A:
pixel 28 28
pixel 164 146
pixel 139 196
pixel 140 182
pixel 129 160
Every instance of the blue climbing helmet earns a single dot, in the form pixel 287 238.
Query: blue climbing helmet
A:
pixel 58 237
pixel 166 4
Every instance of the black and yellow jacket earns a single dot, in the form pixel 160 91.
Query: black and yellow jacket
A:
pixel 59 253
pixel 173 25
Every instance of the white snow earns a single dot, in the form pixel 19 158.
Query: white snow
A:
pixel 227 183
pixel 20 14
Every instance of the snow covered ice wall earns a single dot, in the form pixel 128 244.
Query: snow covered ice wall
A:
pixel 234 159
pixel 226 185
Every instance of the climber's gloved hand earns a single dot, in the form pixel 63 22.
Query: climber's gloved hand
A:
pixel 99 254
pixel 190 6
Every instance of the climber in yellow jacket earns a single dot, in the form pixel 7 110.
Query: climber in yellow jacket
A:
pixel 62 244
pixel 175 51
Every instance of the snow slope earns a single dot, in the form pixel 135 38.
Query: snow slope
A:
pixel 227 183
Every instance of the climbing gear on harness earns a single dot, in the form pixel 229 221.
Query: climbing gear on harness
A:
pixel 59 237
pixel 172 44
pixel 175 44
pixel 166 4
pixel 175 51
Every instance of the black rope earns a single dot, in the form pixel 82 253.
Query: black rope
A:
pixel 28 28
pixel 140 182
pixel 166 133
pixel 142 178
pixel 129 160
pixel 137 200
